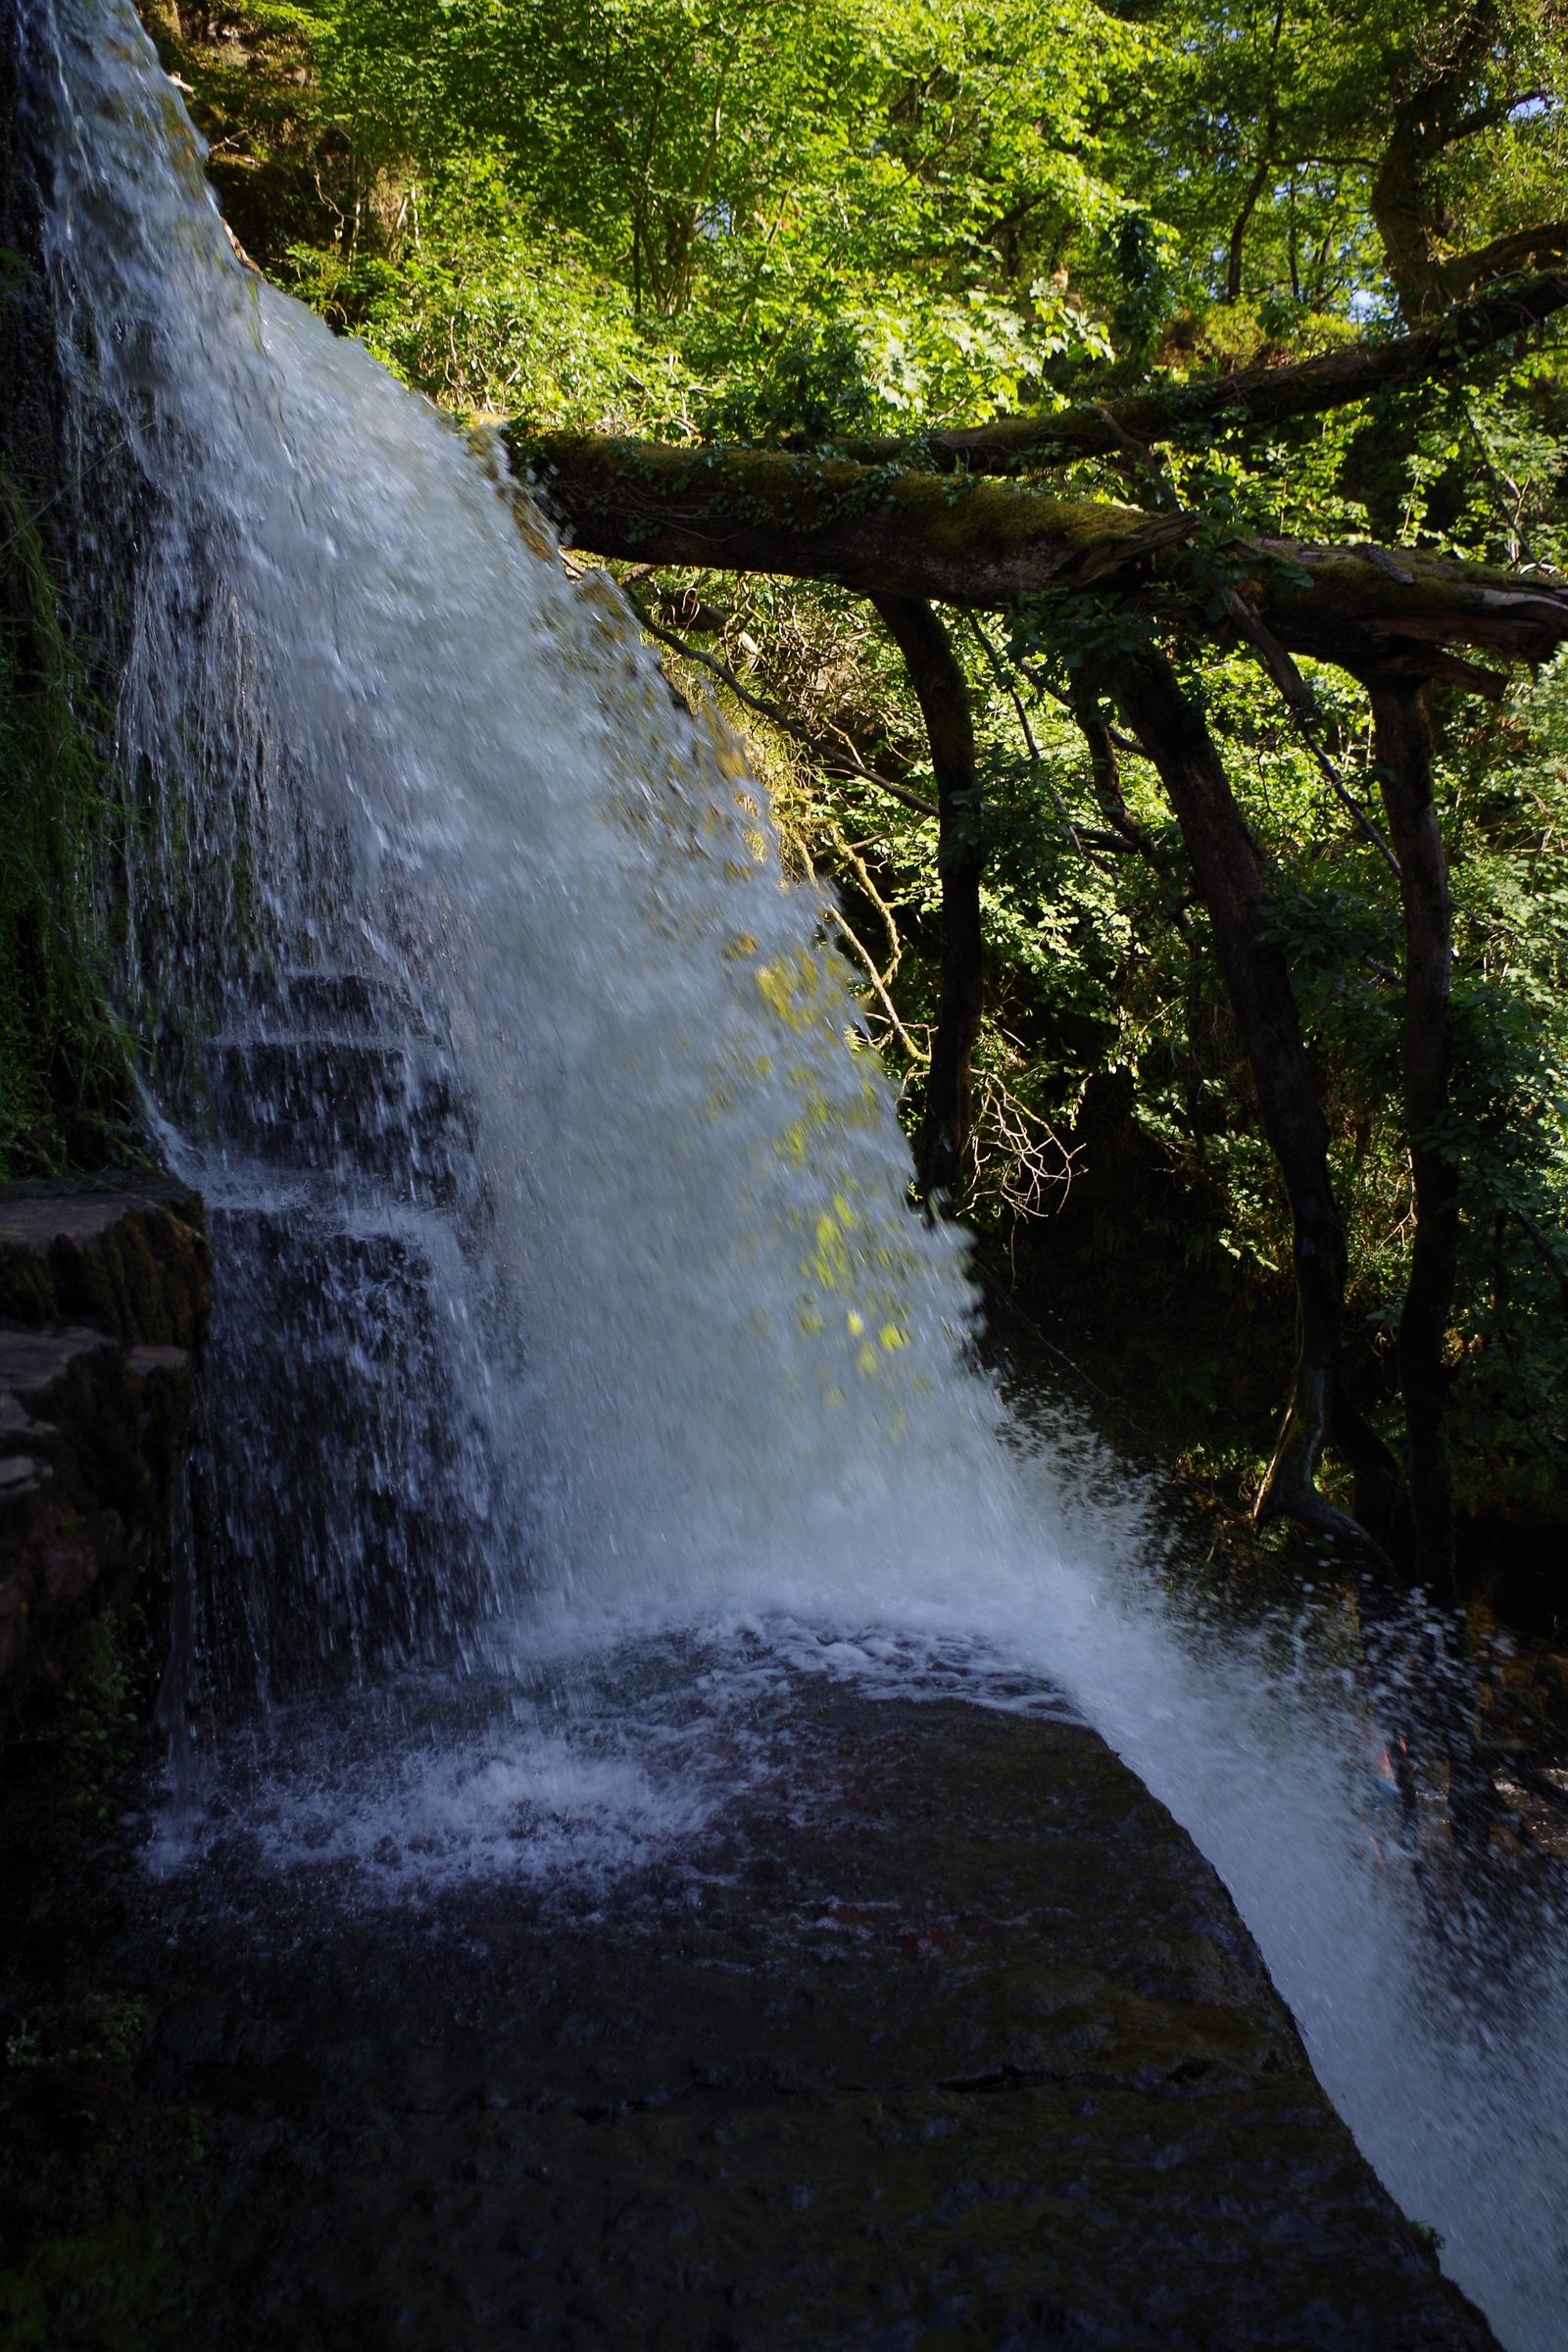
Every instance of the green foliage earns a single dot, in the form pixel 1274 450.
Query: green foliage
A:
pixel 665 210
pixel 479 311
pixel 111 2289
pixel 1140 256
pixel 102 2031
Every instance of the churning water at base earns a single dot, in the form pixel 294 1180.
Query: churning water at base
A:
pixel 569 1326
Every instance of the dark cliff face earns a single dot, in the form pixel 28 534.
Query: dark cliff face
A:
pixel 31 402
pixel 70 512
pixel 55 454
pixel 64 457
pixel 103 1298
pixel 103 1311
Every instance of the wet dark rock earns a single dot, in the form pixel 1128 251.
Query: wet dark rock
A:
pixel 130 1263
pixel 103 1306
pixel 945 2037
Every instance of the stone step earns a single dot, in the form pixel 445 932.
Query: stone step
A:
pixel 368 1108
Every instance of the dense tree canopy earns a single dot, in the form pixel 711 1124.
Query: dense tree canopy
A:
pixel 1257 305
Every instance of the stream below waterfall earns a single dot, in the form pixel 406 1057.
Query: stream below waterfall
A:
pixel 584 1408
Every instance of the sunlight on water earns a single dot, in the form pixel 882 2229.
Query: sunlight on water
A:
pixel 565 1294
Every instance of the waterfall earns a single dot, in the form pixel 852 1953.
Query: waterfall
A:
pixel 566 1294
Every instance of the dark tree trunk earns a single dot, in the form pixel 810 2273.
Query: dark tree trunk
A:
pixel 1225 865
pixel 943 693
pixel 1234 259
pixel 1265 165
pixel 1255 189
pixel 1404 759
pixel 1432 110
pixel 1105 776
pixel 1438 110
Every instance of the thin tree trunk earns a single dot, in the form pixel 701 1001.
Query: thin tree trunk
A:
pixel 1225 865
pixel 943 693
pixel 1233 262
pixel 1105 775
pixel 1404 761
pixel 1265 165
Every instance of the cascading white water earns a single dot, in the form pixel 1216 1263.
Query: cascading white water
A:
pixel 565 1294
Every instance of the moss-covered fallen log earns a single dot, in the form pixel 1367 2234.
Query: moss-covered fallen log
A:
pixel 877 528
pixel 978 543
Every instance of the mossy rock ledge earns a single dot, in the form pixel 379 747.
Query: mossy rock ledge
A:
pixel 103 1311
pixel 941 2038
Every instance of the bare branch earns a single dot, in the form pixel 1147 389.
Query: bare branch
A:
pixel 875 976
pixel 1018 1158
pixel 1299 701
pixel 823 754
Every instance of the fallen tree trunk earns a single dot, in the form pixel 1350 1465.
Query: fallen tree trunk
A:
pixel 986 543
pixel 1265 397
pixel 1253 396
pixel 876 528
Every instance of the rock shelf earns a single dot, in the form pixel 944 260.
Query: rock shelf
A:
pixel 103 1306
pixel 945 2036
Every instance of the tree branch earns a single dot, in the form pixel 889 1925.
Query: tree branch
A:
pixel 1030 744
pixel 1298 701
pixel 1266 396
pixel 858 946
pixel 1519 248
